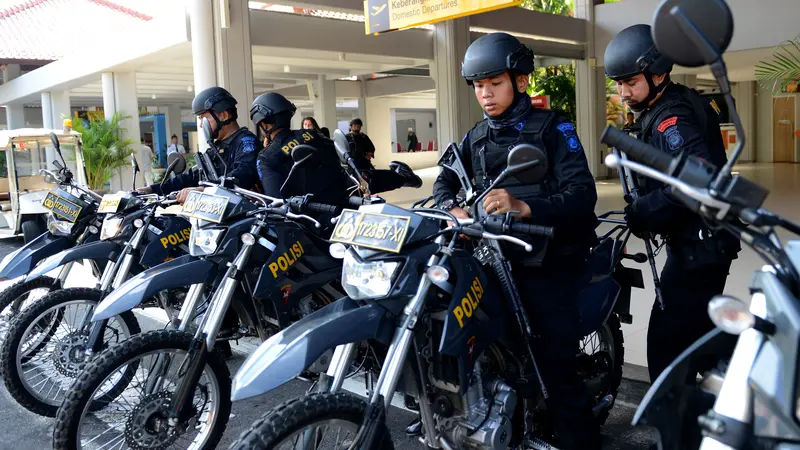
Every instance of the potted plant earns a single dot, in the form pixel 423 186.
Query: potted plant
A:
pixel 104 149
pixel 783 69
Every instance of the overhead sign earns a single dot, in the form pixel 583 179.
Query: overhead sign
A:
pixel 541 101
pixel 390 15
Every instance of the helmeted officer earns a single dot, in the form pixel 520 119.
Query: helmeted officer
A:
pixel 361 147
pixel 497 65
pixel 674 119
pixel 237 147
pixel 321 176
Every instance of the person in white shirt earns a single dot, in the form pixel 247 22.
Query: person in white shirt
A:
pixel 175 147
pixel 145 160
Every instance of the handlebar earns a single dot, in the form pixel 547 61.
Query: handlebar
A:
pixel 322 208
pixel 637 150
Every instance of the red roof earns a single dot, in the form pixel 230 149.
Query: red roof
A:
pixel 51 29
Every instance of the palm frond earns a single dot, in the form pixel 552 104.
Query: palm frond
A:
pixel 104 150
pixel 783 69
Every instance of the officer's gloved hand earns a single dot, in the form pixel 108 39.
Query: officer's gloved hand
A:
pixel 636 218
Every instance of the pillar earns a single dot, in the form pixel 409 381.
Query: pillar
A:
pixel 15 112
pixel 325 103
pixel 744 93
pixel 590 95
pixel 119 96
pixel 456 107
pixel 173 122
pixel 55 107
pixel 202 33
pixel 362 104
pixel 297 120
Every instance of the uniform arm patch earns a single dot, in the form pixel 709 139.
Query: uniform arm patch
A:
pixel 568 130
pixel 248 144
pixel 667 123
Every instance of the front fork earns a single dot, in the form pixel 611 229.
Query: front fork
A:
pixel 191 368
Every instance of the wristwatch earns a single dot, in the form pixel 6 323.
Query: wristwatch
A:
pixel 447 205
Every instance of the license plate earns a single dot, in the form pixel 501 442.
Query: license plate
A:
pixel 61 207
pixel 109 204
pixel 204 206
pixel 371 230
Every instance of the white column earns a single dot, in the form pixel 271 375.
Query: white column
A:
pixel 173 113
pixel 47 112
pixel 109 96
pixel 15 113
pixel 297 120
pixel 202 30
pixel 590 95
pixel 325 103
pixel 119 96
pixel 234 56
pixel 456 106
pixel 745 96
pixel 55 106
pixel 362 104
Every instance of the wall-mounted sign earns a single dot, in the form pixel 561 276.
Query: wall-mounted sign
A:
pixel 390 15
pixel 541 101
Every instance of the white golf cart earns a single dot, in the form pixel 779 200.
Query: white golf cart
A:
pixel 23 153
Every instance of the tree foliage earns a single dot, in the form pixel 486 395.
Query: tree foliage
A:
pixel 559 83
pixel 560 7
pixel 783 69
pixel 104 149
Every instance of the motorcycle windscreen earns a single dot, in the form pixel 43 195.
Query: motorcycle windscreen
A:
pixel 474 318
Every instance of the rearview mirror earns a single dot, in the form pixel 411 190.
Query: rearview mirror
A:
pixel 341 144
pixel 170 169
pixel 527 164
pixel 178 163
pixel 692 33
pixel 207 131
pixel 54 141
pixel 134 163
pixel 302 152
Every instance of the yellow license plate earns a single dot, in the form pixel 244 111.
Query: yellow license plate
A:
pixel 371 230
pixel 109 204
pixel 61 207
pixel 204 206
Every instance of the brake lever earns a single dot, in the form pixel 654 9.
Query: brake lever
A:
pixel 303 216
pixel 511 239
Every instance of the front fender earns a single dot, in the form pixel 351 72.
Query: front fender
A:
pixel 180 272
pixel 22 260
pixel 675 393
pixel 285 355
pixel 96 250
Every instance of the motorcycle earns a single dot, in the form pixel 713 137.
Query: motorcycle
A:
pixel 749 401
pixel 72 222
pixel 259 263
pixel 51 341
pixel 441 317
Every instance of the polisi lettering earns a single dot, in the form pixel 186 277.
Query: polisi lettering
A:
pixel 176 238
pixel 469 303
pixel 294 142
pixel 287 259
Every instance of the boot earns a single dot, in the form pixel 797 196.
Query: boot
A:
pixel 414 428
pixel 412 180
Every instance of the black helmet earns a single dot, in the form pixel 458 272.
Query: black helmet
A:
pixel 215 99
pixel 493 54
pixel 356 121
pixel 631 52
pixel 272 108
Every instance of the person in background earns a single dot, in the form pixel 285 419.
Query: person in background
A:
pixel 310 123
pixel 145 160
pixel 360 143
pixel 363 151
pixel 412 140
pixel 629 122
pixel 174 147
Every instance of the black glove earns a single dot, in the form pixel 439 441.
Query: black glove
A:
pixel 637 221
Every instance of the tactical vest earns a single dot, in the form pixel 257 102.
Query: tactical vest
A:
pixel 489 159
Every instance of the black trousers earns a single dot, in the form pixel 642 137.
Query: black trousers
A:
pixel 684 319
pixel 384 180
pixel 550 299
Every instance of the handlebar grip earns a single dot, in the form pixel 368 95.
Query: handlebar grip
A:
pixel 356 201
pixel 532 230
pixel 321 207
pixel 637 150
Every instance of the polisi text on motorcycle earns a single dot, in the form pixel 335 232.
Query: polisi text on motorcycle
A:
pixel 287 259
pixel 176 238
pixel 469 303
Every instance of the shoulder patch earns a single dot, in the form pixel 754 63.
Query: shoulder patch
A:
pixel 674 138
pixel 568 130
pixel 248 144
pixel 667 123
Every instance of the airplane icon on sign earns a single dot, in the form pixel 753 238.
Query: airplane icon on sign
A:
pixel 377 10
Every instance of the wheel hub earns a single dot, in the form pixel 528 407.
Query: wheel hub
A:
pixel 148 426
pixel 69 357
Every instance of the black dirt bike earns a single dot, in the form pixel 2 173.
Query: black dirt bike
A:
pixel 456 334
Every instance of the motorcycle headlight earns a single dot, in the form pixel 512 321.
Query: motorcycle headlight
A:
pixel 58 227
pixel 204 242
pixel 368 279
pixel 112 226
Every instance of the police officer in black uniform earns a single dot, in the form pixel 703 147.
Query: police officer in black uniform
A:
pixel 236 150
pixel 321 176
pixel 498 66
pixel 380 180
pixel 674 119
